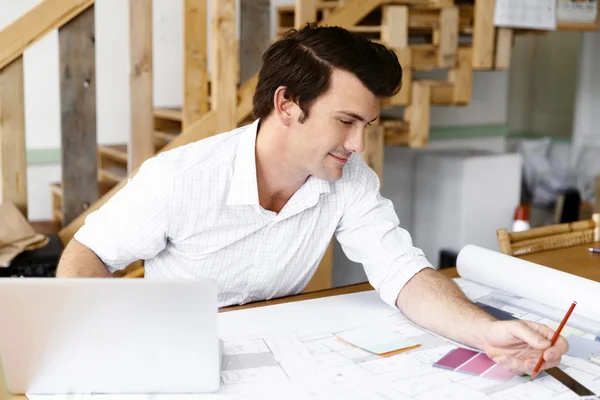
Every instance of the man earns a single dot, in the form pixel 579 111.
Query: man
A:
pixel 255 208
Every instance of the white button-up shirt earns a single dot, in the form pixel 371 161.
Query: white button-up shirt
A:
pixel 193 212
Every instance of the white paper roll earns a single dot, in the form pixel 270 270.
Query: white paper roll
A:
pixel 529 280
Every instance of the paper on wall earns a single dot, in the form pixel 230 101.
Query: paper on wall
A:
pixel 577 11
pixel 530 14
pixel 529 280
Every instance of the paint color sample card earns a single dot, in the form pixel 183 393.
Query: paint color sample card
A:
pixel 474 363
pixel 376 340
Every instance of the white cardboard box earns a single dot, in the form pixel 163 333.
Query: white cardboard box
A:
pixel 462 197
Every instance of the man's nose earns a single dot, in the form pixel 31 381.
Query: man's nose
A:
pixel 356 141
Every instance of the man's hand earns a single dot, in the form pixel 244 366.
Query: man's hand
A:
pixel 518 345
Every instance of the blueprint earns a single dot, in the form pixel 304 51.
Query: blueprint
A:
pixel 318 365
pixel 292 351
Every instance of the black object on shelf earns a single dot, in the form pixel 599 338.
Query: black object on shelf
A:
pixel 448 258
pixel 38 263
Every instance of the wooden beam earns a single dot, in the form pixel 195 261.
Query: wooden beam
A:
pixel 448 35
pixel 442 92
pixel 405 58
pixel 45 17
pixel 397 133
pixel 424 57
pixel 483 35
pixel 141 146
pixel 13 152
pixel 195 72
pixel 418 114
pixel 304 11
pixel 374 137
pixel 78 114
pixel 206 126
pixel 504 45
pixel 394 26
pixel 351 13
pixel 255 23
pixel 225 63
pixel 245 94
pixel 461 77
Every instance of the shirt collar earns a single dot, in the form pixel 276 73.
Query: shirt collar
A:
pixel 244 188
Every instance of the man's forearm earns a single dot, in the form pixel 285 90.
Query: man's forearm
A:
pixel 435 302
pixel 79 261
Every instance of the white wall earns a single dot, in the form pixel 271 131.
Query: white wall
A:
pixel 586 128
pixel 543 81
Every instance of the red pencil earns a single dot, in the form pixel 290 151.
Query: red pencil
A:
pixel 554 339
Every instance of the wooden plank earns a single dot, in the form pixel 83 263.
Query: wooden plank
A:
pixel 423 18
pixel 504 45
pixel 394 26
pixel 424 57
pixel 195 72
pixel 255 23
pixel 374 136
pixel 171 114
pixel 418 114
pixel 225 63
pixel 448 37
pixel 140 79
pixel 304 11
pixel 323 277
pixel 78 114
pixel 13 152
pixel 405 59
pixel 461 77
pixel 245 93
pixel 351 13
pixel 397 133
pixel 45 17
pixel 442 92
pixel 206 126
pixel 483 34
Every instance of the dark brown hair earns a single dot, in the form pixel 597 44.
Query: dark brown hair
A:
pixel 303 60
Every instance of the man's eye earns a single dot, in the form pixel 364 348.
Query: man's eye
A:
pixel 345 122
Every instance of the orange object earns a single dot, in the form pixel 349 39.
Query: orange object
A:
pixel 536 370
pixel 521 213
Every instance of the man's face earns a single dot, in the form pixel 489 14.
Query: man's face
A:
pixel 322 144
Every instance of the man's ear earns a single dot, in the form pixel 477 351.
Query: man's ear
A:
pixel 283 106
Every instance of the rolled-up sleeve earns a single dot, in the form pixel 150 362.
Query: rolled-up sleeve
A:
pixel 133 224
pixel 369 233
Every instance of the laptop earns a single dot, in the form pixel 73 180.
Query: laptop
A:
pixel 93 335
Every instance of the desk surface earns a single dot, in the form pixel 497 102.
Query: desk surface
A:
pixel 575 260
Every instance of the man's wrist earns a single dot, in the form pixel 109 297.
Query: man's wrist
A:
pixel 480 330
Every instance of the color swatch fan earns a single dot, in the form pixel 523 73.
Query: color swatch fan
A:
pixel 474 363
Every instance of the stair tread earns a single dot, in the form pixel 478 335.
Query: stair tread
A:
pixel 117 152
pixel 115 170
pixel 103 188
pixel 173 113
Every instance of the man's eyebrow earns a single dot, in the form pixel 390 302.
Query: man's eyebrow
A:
pixel 356 116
